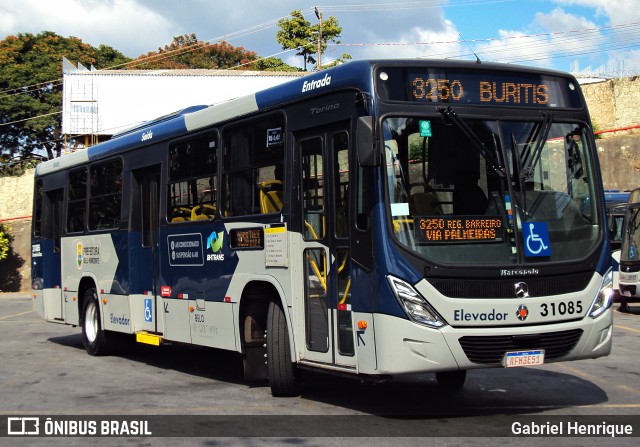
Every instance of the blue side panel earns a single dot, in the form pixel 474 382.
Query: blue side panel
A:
pixel 388 260
pixel 352 75
pixel 167 129
pixel 194 261
pixel 121 281
pixel 45 267
pixel 140 265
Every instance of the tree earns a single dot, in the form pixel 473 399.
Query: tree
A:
pixel 187 51
pixel 296 33
pixel 272 64
pixel 31 89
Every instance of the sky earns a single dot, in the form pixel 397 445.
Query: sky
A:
pixel 583 36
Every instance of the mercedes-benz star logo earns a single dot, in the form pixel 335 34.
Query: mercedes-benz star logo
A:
pixel 521 289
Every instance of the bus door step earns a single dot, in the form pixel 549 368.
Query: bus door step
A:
pixel 148 338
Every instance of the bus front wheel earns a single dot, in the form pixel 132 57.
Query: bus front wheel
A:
pixel 95 340
pixel 451 380
pixel 282 371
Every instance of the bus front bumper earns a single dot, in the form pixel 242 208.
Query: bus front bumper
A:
pixel 404 347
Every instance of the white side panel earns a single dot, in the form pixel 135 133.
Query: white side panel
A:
pixel 93 256
pixel 38 302
pixel 365 343
pixel 116 315
pixel 176 320
pixel 212 324
pixel 221 112
pixel 52 304
pixel 73 159
pixel 71 311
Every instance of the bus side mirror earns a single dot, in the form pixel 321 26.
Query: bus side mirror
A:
pixel 367 155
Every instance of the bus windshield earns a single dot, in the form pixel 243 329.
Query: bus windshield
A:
pixel 631 233
pixel 488 192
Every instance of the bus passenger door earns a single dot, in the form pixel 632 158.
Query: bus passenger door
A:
pixel 143 249
pixel 328 332
pixel 45 255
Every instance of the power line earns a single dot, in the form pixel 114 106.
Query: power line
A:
pixel 29 119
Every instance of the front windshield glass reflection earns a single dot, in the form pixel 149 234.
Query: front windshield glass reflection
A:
pixel 490 192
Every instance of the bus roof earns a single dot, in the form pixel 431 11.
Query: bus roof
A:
pixel 356 75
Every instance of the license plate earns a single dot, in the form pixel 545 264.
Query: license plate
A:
pixel 523 358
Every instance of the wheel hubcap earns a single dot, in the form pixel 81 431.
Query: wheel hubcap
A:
pixel 91 323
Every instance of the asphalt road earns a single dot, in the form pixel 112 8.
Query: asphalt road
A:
pixel 198 395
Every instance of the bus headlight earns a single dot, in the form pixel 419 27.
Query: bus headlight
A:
pixel 604 299
pixel 416 307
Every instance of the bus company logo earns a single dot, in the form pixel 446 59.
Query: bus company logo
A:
pixel 522 312
pixel 316 83
pixel 79 255
pixel 146 136
pixel 214 242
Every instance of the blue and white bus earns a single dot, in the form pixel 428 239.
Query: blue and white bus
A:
pixel 376 219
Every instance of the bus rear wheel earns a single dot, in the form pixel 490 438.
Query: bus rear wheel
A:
pixel 282 371
pixel 95 340
pixel 451 380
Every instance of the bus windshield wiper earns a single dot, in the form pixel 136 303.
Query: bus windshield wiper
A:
pixel 529 163
pixel 477 144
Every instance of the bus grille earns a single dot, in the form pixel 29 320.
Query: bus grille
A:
pixel 490 350
pixel 504 288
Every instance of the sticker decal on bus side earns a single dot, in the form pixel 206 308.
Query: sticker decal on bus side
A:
pixel 536 237
pixel 185 250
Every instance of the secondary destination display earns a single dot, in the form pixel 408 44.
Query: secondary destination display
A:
pixel 458 229
pixel 246 238
pixel 488 87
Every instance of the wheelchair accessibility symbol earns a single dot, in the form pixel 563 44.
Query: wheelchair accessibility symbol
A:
pixel 148 312
pixel 536 239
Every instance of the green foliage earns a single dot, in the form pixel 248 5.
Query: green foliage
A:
pixel 416 151
pixel 272 64
pixel 297 33
pixel 5 240
pixel 187 52
pixel 31 86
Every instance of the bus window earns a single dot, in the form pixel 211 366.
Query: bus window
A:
pixel 253 166
pixel 38 198
pixel 77 201
pixel 105 195
pixel 313 189
pixel 192 179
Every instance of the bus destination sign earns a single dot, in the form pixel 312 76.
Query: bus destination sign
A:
pixel 458 228
pixel 477 87
pixel 247 238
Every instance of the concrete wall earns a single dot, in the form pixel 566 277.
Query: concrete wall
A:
pixel 620 161
pixel 16 195
pixel 614 103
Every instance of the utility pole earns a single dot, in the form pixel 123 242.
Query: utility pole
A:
pixel 319 62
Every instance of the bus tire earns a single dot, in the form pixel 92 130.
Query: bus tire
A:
pixel 282 371
pixel 96 341
pixel 451 380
